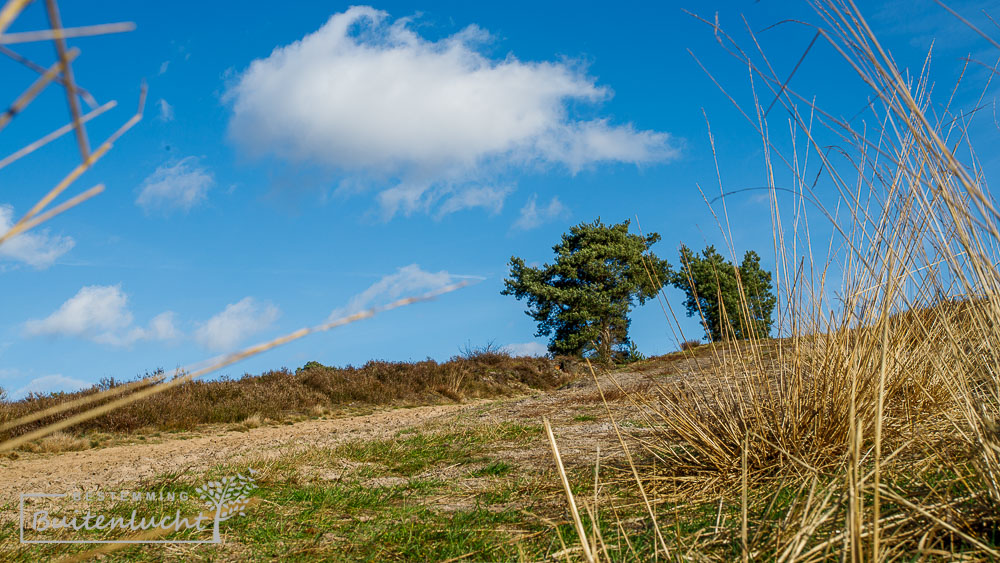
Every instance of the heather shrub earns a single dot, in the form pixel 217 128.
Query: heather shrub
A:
pixel 277 394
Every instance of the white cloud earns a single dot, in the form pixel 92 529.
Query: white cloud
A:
pixel 488 198
pixel 235 323
pixel 101 314
pixel 162 327
pixel 408 280
pixel 36 247
pixel 527 349
pixel 166 110
pixel 50 384
pixel 531 216
pixel 93 309
pixel 175 186
pixel 163 67
pixel 366 95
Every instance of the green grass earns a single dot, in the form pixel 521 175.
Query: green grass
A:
pixel 433 494
pixel 411 454
pixel 494 469
pixel 426 494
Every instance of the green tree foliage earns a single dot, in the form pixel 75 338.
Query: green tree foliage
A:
pixel 582 300
pixel 712 292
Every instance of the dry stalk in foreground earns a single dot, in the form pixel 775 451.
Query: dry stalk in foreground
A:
pixel 883 388
pixel 60 72
pixel 151 386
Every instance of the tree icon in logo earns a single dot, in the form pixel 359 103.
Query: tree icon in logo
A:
pixel 228 497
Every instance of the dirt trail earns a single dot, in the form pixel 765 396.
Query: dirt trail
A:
pixel 111 467
pixel 105 467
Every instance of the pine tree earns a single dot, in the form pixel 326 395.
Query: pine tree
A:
pixel 582 300
pixel 712 293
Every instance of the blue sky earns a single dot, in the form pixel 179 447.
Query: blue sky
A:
pixel 298 163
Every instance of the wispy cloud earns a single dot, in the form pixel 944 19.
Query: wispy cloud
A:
pixel 488 198
pixel 237 322
pixel 533 216
pixel 50 384
pixel 367 95
pixel 166 110
pixel 406 281
pixel 164 66
pixel 37 248
pixel 527 349
pixel 101 314
pixel 179 185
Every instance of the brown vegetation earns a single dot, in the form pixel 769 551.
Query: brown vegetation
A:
pixel 312 389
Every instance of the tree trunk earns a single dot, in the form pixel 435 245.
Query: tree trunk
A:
pixel 604 349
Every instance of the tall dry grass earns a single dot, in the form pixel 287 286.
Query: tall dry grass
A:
pixel 869 431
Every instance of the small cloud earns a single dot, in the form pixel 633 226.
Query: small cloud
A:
pixel 101 314
pixel 50 384
pixel 532 216
pixel 237 322
pixel 163 67
pixel 366 95
pixel 36 248
pixel 490 199
pixel 162 327
pixel 527 349
pixel 408 280
pixel 94 309
pixel 166 110
pixel 173 186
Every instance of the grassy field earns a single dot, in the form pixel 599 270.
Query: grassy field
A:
pixel 284 395
pixel 480 483
pixel 476 484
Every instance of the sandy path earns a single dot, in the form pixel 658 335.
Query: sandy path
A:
pixel 106 467
pixel 110 467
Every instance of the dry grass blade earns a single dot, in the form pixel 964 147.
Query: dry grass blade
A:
pixel 577 522
pixel 193 372
pixel 76 403
pixel 967 23
pixel 886 378
pixel 140 538
pixel 84 166
pixel 28 149
pixel 66 33
pixel 631 462
pixel 36 87
pixel 58 38
pixel 21 227
pixel 9 13
pixel 940 522
pixel 87 97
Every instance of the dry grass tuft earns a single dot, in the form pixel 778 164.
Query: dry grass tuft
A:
pixel 870 430
pixel 56 443
pixel 690 345
pixel 253 421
